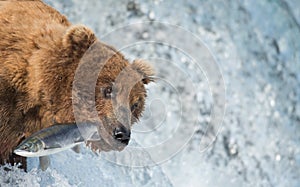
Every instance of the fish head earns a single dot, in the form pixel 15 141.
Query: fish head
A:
pixel 30 147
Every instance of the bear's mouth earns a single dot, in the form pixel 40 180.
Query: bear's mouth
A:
pixel 112 139
pixel 102 145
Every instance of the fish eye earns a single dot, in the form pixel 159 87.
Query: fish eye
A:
pixel 26 147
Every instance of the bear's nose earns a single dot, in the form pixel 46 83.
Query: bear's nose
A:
pixel 122 134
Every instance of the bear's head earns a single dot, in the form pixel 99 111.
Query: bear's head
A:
pixel 106 90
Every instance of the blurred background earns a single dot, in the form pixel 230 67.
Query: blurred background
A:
pixel 225 110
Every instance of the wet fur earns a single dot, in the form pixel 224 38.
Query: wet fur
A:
pixel 40 51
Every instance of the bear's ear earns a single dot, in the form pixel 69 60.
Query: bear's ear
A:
pixel 78 39
pixel 145 69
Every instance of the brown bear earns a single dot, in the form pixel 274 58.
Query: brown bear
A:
pixel 40 53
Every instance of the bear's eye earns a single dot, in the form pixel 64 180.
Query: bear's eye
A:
pixel 108 92
pixel 134 106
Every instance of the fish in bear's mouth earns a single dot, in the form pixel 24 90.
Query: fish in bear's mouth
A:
pixel 60 137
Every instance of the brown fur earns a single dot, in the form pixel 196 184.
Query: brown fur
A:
pixel 39 54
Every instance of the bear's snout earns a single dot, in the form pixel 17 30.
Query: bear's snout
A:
pixel 122 134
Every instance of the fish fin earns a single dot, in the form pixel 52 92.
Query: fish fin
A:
pixel 80 140
pixel 94 137
pixel 76 148
pixel 44 162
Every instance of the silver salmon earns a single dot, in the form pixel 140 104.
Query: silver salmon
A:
pixel 55 139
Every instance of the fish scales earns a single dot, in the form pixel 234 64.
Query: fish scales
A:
pixel 60 135
pixel 56 138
